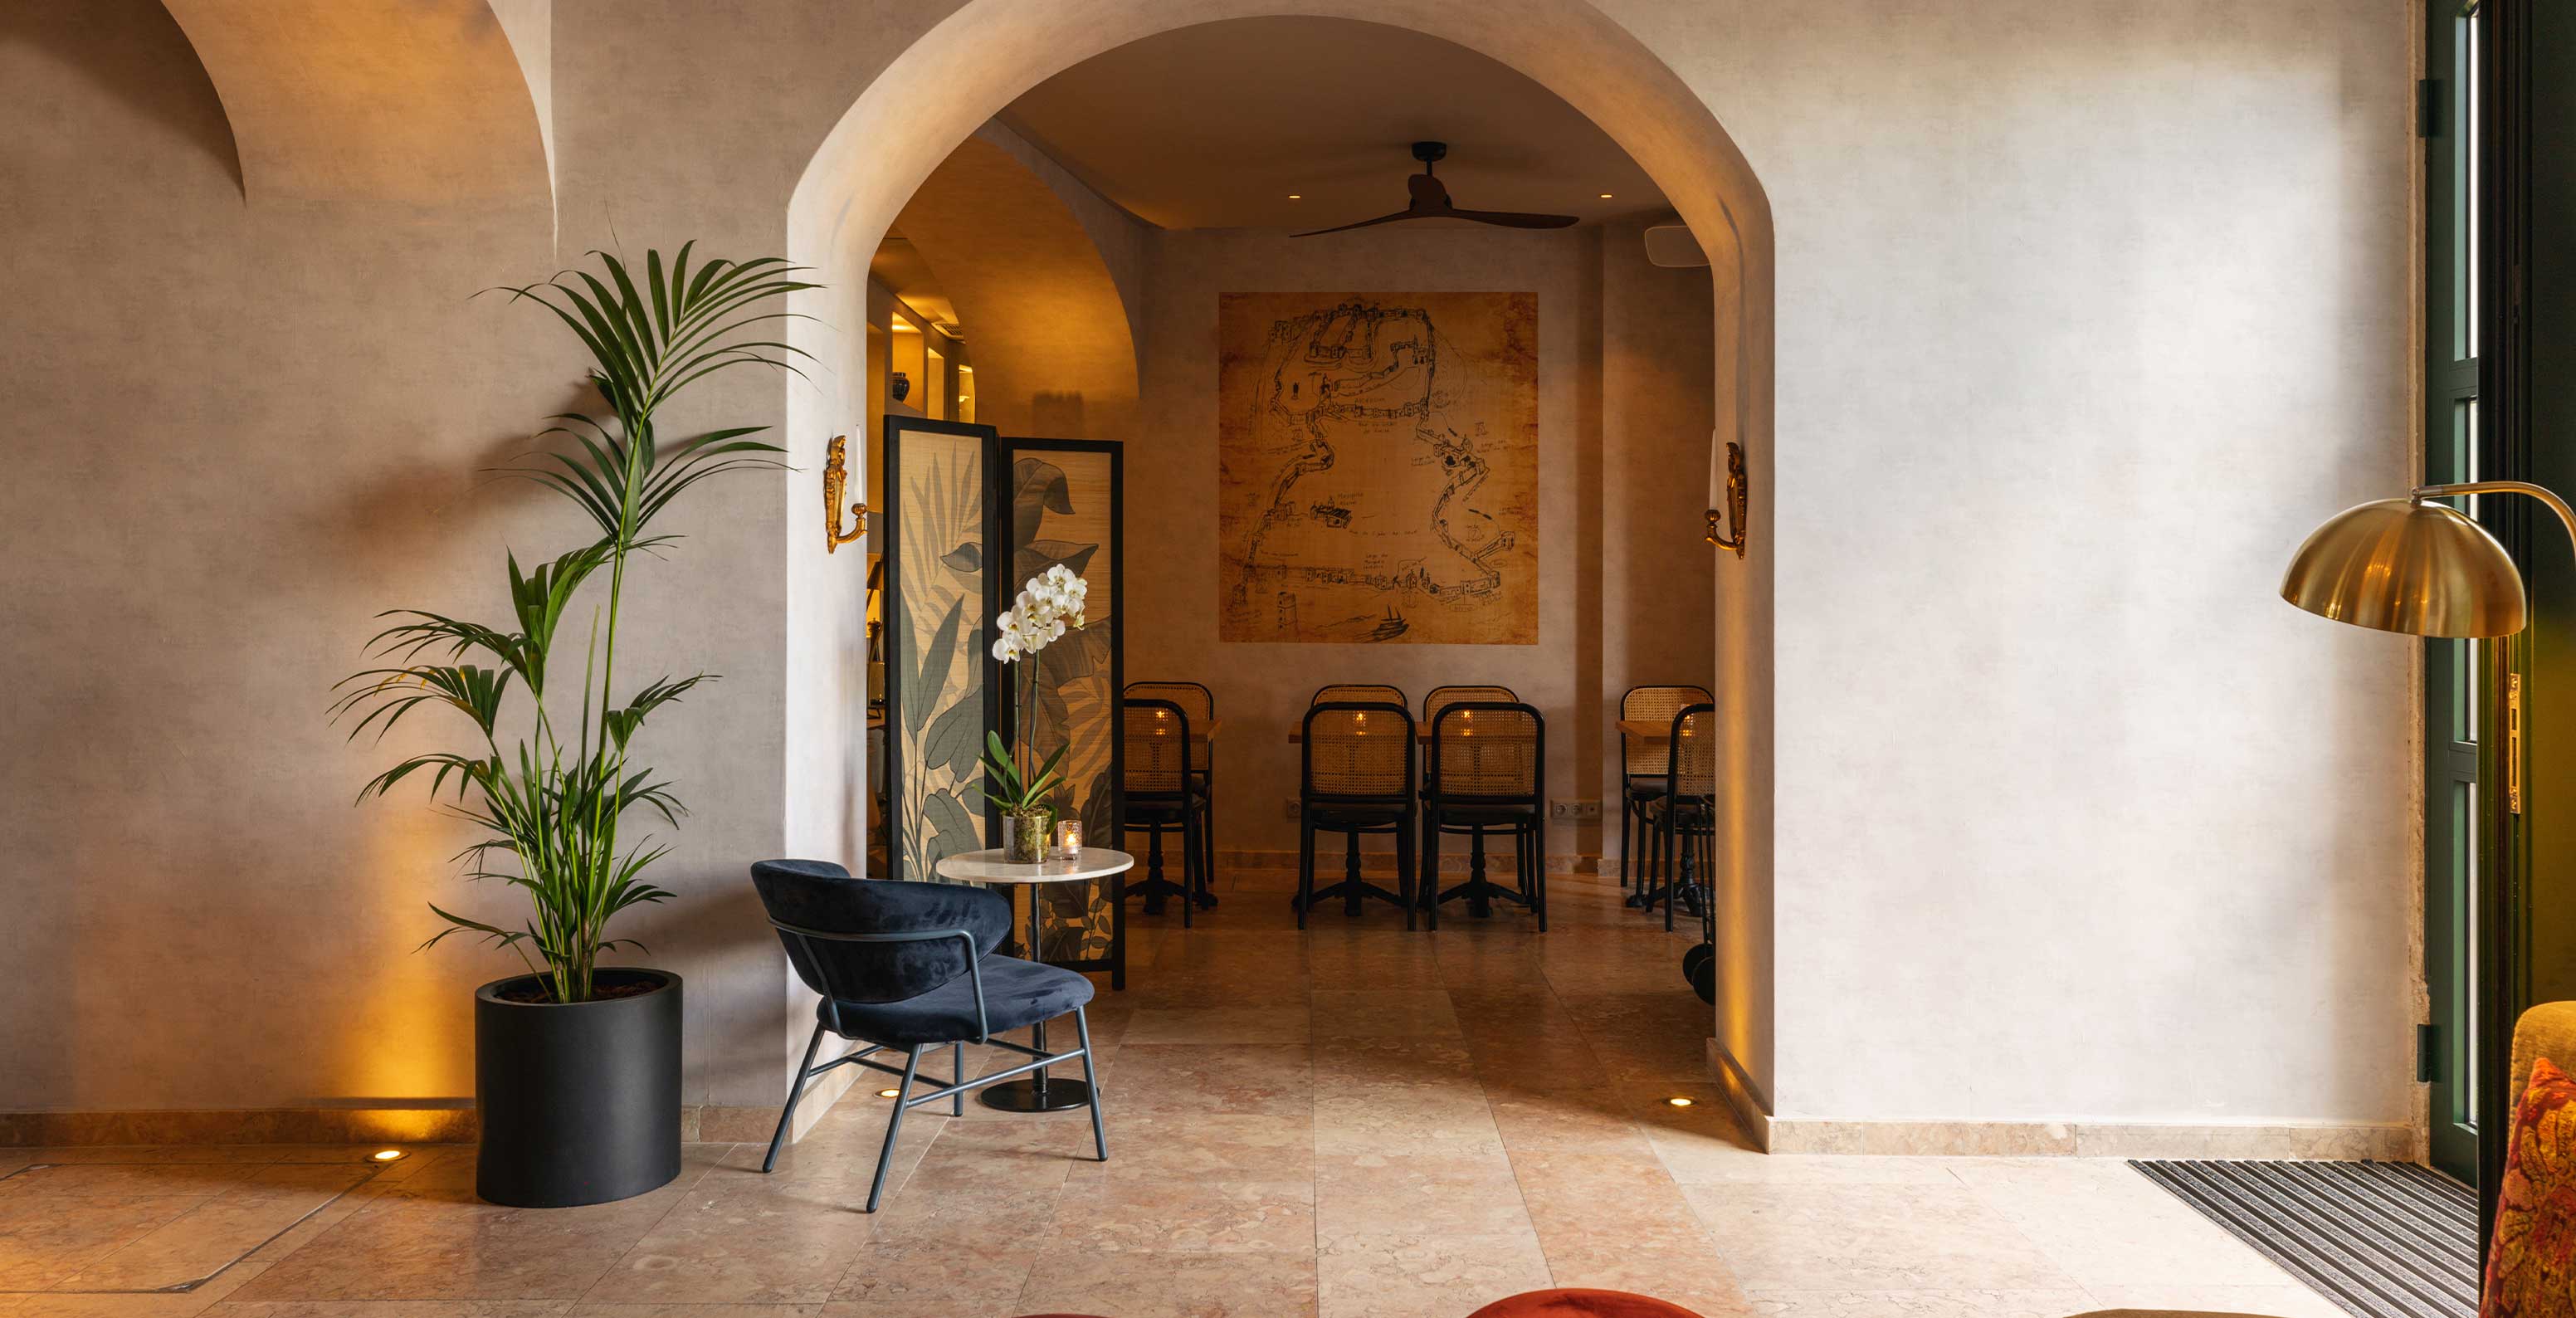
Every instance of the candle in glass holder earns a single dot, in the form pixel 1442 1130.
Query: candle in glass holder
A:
pixel 1068 838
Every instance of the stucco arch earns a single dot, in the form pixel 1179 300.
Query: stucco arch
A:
pixel 416 101
pixel 976 61
pixel 1054 351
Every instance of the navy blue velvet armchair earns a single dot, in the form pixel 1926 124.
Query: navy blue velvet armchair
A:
pixel 909 968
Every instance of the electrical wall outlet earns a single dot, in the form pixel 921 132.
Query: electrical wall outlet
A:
pixel 1578 811
pixel 1288 807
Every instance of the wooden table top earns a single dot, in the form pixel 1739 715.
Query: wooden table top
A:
pixel 1657 731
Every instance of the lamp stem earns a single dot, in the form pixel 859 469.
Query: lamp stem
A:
pixel 2566 515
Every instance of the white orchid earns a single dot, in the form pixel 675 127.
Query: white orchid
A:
pixel 1048 606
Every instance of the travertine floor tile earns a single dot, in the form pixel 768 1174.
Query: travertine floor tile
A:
pixel 1918 1304
pixel 1869 1237
pixel 1355 1122
pixel 1181 1285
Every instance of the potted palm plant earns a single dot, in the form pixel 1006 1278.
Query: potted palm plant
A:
pixel 577 1064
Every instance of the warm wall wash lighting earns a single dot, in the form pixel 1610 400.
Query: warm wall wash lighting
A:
pixel 387 1155
pixel 2423 569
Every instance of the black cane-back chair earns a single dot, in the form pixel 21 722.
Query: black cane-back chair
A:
pixel 1165 792
pixel 1485 771
pixel 1684 815
pixel 1643 762
pixel 1356 776
pixel 1442 697
pixel 1199 704
pixel 909 968
pixel 1344 692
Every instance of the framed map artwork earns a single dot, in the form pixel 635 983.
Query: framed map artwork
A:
pixel 1377 473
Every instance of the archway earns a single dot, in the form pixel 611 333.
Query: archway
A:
pixel 428 102
pixel 974 63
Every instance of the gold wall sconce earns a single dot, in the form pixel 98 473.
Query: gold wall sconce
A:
pixel 836 476
pixel 1735 501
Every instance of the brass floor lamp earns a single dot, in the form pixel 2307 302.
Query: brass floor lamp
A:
pixel 2424 569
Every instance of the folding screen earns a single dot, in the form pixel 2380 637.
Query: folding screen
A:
pixel 1059 504
pixel 969 516
pixel 940 602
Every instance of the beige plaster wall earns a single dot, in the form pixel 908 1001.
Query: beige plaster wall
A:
pixel 1172 585
pixel 1624 400
pixel 1658 575
pixel 249 415
pixel 2087 312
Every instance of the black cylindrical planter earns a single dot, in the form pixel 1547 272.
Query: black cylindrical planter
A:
pixel 579 1102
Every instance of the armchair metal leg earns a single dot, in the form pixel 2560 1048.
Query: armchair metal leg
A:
pixel 894 1124
pixel 1091 1081
pixel 957 1063
pixel 795 1092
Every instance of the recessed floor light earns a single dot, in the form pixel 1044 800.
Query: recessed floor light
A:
pixel 1678 1101
pixel 889 1093
pixel 386 1155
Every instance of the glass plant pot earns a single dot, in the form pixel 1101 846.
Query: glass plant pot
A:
pixel 1025 834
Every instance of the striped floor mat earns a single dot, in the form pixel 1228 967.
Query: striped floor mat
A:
pixel 2382 1239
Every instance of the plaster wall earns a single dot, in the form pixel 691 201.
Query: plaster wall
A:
pixel 1658 321
pixel 2087 312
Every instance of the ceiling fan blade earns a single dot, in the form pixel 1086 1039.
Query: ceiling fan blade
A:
pixel 1362 224
pixel 1512 219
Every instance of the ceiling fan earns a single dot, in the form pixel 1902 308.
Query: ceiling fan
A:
pixel 1431 202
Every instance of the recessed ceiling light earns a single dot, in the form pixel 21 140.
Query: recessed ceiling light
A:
pixel 1605 196
pixel 386 1155
pixel 1678 1101
pixel 1296 196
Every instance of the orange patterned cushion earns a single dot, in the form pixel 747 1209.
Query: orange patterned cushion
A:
pixel 2531 1267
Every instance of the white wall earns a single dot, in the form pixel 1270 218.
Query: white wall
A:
pixel 2087 312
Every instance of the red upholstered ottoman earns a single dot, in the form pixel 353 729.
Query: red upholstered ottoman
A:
pixel 1581 1304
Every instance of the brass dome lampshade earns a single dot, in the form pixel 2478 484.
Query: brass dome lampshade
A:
pixel 2423 569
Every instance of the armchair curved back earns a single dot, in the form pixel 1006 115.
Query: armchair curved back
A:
pixel 818 897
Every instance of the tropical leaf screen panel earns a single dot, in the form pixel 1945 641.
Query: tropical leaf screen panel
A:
pixel 940 640
pixel 1060 503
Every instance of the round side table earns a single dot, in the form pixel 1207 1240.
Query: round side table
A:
pixel 1037 1093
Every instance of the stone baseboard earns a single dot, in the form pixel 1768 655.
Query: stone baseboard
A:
pixel 446 1124
pixel 1740 1094
pixel 2042 1139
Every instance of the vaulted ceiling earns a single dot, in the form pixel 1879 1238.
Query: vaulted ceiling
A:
pixel 1215 126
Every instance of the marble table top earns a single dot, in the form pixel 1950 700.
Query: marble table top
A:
pixel 987 866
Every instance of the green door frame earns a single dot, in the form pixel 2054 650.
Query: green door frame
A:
pixel 2454 695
